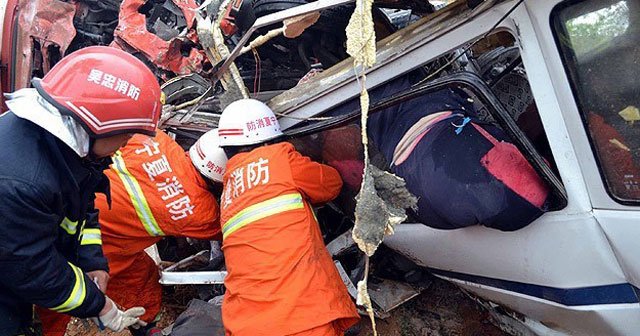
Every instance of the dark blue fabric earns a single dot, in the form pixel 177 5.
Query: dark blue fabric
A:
pixel 12 321
pixel 454 189
pixel 387 127
pixel 42 181
pixel 444 170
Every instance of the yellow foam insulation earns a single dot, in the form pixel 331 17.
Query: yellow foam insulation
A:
pixel 361 46
pixel 212 40
pixel 220 51
pixel 292 28
pixel 262 39
pixel 361 36
pixel 630 114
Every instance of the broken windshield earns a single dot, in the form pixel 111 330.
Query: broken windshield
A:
pixel 599 43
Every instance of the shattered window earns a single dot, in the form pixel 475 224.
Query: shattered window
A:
pixel 599 43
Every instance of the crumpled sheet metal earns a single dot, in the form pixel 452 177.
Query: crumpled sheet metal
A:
pixel 388 50
pixel 50 22
pixel 132 32
pixel 179 88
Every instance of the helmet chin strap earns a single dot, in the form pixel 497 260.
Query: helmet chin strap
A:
pixel 95 161
pixel 91 156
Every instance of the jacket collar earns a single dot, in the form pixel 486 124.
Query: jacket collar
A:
pixel 30 105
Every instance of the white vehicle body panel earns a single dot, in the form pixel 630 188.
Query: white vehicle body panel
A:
pixel 576 270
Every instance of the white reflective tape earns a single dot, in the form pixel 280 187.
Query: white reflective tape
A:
pixel 91 236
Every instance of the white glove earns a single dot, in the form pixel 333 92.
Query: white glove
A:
pixel 117 320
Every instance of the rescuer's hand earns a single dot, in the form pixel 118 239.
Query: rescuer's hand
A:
pixel 117 320
pixel 101 278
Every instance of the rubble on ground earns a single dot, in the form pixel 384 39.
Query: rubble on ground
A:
pixel 441 310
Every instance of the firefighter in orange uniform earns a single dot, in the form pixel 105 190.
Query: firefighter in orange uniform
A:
pixel 281 279
pixel 157 190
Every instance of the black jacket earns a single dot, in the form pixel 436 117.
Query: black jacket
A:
pixel 49 232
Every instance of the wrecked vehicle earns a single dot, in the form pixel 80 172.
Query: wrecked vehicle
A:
pixel 574 269
pixel 540 70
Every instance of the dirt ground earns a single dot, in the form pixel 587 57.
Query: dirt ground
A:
pixel 441 310
pixel 175 302
pixel 80 328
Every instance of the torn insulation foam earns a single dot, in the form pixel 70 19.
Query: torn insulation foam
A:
pixel 361 46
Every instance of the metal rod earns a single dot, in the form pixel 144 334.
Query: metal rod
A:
pixel 185 261
pixel 193 278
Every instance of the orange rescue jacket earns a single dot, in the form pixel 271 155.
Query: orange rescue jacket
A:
pixel 156 191
pixel 281 279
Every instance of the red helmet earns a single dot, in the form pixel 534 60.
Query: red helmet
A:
pixel 106 89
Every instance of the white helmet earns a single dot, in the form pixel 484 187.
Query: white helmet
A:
pixel 208 157
pixel 247 122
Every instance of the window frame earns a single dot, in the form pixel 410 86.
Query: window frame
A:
pixel 558 30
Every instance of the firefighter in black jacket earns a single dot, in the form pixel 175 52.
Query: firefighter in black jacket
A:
pixel 54 144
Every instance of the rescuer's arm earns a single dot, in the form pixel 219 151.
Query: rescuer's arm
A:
pixel 206 226
pixel 90 256
pixel 320 183
pixel 90 253
pixel 31 266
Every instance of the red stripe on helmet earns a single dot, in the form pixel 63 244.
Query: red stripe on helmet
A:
pixel 199 150
pixel 231 131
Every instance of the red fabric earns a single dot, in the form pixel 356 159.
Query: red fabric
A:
pixel 342 149
pixel 509 166
pixel 53 324
pixel 281 279
pixel 350 171
pixel 342 143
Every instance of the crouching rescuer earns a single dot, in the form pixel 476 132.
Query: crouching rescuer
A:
pixel 281 279
pixel 55 142
pixel 158 190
